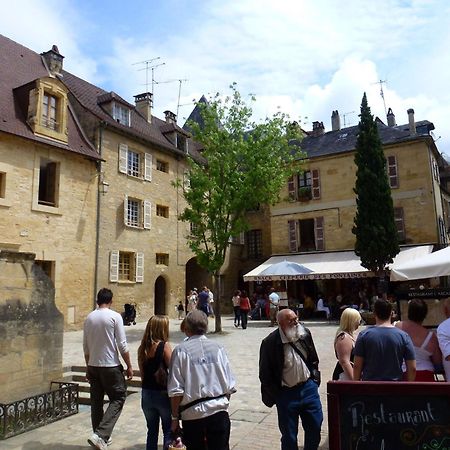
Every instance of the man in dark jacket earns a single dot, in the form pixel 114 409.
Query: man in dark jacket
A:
pixel 288 371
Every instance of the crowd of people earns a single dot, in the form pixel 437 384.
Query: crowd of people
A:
pixel 193 383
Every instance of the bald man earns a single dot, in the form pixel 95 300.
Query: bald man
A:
pixel 288 371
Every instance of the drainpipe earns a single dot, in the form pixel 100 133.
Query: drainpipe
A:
pixel 97 225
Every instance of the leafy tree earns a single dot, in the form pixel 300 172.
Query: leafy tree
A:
pixel 245 165
pixel 374 225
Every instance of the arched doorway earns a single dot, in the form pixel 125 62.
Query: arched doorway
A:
pixel 160 296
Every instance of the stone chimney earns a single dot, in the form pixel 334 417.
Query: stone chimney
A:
pixel 335 121
pixel 143 104
pixel 54 60
pixel 412 123
pixel 318 129
pixel 170 117
pixel 391 118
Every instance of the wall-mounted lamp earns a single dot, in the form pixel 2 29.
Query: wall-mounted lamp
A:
pixel 104 187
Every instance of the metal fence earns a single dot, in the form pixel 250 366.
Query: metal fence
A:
pixel 38 410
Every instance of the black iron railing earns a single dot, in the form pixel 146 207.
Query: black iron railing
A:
pixel 38 410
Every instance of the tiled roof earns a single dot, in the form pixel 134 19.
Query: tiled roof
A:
pixel 20 66
pixel 344 140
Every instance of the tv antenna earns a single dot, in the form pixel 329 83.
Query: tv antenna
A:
pixel 148 66
pixel 180 81
pixel 345 115
pixel 381 82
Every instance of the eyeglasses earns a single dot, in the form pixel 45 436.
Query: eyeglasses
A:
pixel 293 320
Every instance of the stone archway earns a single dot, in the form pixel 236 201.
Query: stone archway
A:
pixel 160 296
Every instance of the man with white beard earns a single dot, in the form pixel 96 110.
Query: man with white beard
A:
pixel 289 375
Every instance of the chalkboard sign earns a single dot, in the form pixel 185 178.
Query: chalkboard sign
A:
pixel 389 415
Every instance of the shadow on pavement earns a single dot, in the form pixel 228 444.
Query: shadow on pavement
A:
pixel 33 445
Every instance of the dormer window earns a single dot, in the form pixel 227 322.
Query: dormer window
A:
pixel 181 142
pixel 49 112
pixel 121 114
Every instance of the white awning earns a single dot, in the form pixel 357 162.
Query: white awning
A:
pixel 330 265
pixel 435 264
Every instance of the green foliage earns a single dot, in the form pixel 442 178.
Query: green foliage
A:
pixel 374 225
pixel 245 165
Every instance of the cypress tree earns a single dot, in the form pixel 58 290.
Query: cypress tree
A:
pixel 374 224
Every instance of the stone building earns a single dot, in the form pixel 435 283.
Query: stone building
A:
pixel 315 217
pixel 48 176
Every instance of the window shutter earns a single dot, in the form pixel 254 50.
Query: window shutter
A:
pixel 319 233
pixel 114 266
pixel 123 158
pixel 139 267
pixel 148 167
pixel 291 188
pixel 125 210
pixel 147 214
pixel 400 224
pixel 292 227
pixel 392 172
pixel 315 184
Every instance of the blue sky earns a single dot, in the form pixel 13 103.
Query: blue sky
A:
pixel 305 57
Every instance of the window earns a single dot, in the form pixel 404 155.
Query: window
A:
pixel 126 266
pixel 134 163
pixel 304 186
pixel 137 213
pixel 162 166
pixel 48 267
pixel 400 224
pixel 238 239
pixel 2 184
pixel 254 244
pixel 392 171
pixel 181 142
pixel 192 228
pixel 162 211
pixel 49 111
pixel 306 235
pixel 162 259
pixel 121 114
pixel 48 182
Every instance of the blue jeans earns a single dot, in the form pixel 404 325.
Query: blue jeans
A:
pixel 156 405
pixel 300 401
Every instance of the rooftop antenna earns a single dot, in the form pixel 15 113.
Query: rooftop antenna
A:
pixel 381 82
pixel 345 115
pixel 180 81
pixel 146 68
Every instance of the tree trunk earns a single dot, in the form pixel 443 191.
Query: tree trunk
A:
pixel 217 313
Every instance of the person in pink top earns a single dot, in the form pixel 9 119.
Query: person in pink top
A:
pixel 425 342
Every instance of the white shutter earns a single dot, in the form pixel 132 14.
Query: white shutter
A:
pixel 147 214
pixel 125 210
pixel 123 158
pixel 139 267
pixel 148 167
pixel 114 266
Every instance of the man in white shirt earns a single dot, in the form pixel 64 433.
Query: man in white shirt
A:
pixel 443 335
pixel 321 306
pixel 199 386
pixel 274 300
pixel 103 339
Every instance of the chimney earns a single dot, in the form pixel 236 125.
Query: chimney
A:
pixel 54 60
pixel 318 129
pixel 143 104
pixel 391 118
pixel 170 117
pixel 335 121
pixel 412 123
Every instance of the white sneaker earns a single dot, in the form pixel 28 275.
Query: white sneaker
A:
pixel 109 442
pixel 97 442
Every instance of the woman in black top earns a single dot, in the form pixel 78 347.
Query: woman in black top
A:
pixel 153 352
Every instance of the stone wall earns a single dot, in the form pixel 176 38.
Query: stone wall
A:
pixel 31 328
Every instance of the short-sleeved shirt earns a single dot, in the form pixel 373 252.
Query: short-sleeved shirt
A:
pixel 384 349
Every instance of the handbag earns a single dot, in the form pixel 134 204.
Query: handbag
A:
pixel 161 374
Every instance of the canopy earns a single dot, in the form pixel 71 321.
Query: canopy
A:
pixel 435 264
pixel 285 268
pixel 328 265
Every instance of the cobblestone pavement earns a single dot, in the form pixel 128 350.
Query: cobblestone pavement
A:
pixel 253 425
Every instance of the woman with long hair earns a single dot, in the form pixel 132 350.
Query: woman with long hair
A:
pixel 344 344
pixel 244 308
pixel 153 352
pixel 426 346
